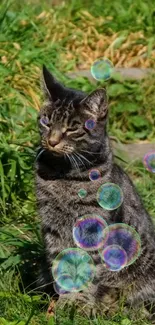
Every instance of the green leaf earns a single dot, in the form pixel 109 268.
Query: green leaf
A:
pixel 116 90
pixel 126 321
pixel 118 41
pixel 12 171
pixel 139 121
pixel 51 321
pixel 11 262
pixel 126 107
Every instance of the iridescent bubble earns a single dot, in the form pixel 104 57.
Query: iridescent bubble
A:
pixel 127 238
pixel 88 232
pixel 90 124
pixel 73 269
pixel 109 196
pixel 44 120
pixel 94 174
pixel 58 289
pixel 102 69
pixel 82 193
pixel 115 257
pixel 149 161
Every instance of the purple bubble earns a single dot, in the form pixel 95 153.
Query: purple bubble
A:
pixel 149 161
pixel 44 120
pixel 125 237
pixel 115 257
pixel 94 174
pixel 88 232
pixel 90 124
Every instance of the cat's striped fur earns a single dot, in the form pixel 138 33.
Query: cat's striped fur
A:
pixel 63 169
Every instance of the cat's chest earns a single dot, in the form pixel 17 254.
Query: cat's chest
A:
pixel 66 202
pixel 76 191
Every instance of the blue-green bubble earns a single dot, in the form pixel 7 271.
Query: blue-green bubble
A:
pixel 102 69
pixel 73 269
pixel 109 196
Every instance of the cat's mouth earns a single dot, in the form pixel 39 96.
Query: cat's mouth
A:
pixel 61 149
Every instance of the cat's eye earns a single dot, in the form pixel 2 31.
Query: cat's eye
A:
pixel 71 129
pixel 75 124
pixel 44 120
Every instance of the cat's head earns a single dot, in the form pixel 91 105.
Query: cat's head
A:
pixel 70 121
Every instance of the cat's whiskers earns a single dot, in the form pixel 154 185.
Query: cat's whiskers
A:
pixel 98 141
pixel 40 153
pixel 76 163
pixel 42 286
pixel 76 154
pixel 91 153
pixel 67 155
pixel 83 157
pixel 72 162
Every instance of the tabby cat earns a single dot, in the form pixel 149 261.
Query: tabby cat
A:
pixel 68 151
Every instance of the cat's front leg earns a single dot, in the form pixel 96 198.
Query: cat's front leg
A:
pixel 84 301
pixel 91 301
pixel 53 246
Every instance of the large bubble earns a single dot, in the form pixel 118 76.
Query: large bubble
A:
pixel 149 161
pixel 102 69
pixel 114 257
pixel 109 196
pixel 59 289
pixel 127 238
pixel 73 270
pixel 88 232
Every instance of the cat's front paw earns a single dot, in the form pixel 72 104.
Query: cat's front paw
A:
pixel 83 304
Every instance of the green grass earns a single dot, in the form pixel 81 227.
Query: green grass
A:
pixel 33 33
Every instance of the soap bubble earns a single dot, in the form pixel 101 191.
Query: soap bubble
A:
pixel 44 120
pixel 88 232
pixel 90 124
pixel 102 69
pixel 109 196
pixel 73 269
pixel 94 174
pixel 125 237
pixel 59 289
pixel 149 161
pixel 115 257
pixel 82 193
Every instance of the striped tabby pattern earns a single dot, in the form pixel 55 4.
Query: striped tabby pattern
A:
pixel 68 151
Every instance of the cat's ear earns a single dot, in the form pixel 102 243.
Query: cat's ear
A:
pixel 52 88
pixel 96 103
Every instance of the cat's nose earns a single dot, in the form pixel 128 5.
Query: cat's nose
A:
pixel 53 142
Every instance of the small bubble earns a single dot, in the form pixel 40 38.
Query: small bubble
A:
pixel 88 232
pixel 102 69
pixel 90 124
pixel 94 174
pixel 73 270
pixel 44 120
pixel 115 257
pixel 82 193
pixel 109 196
pixel 149 161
